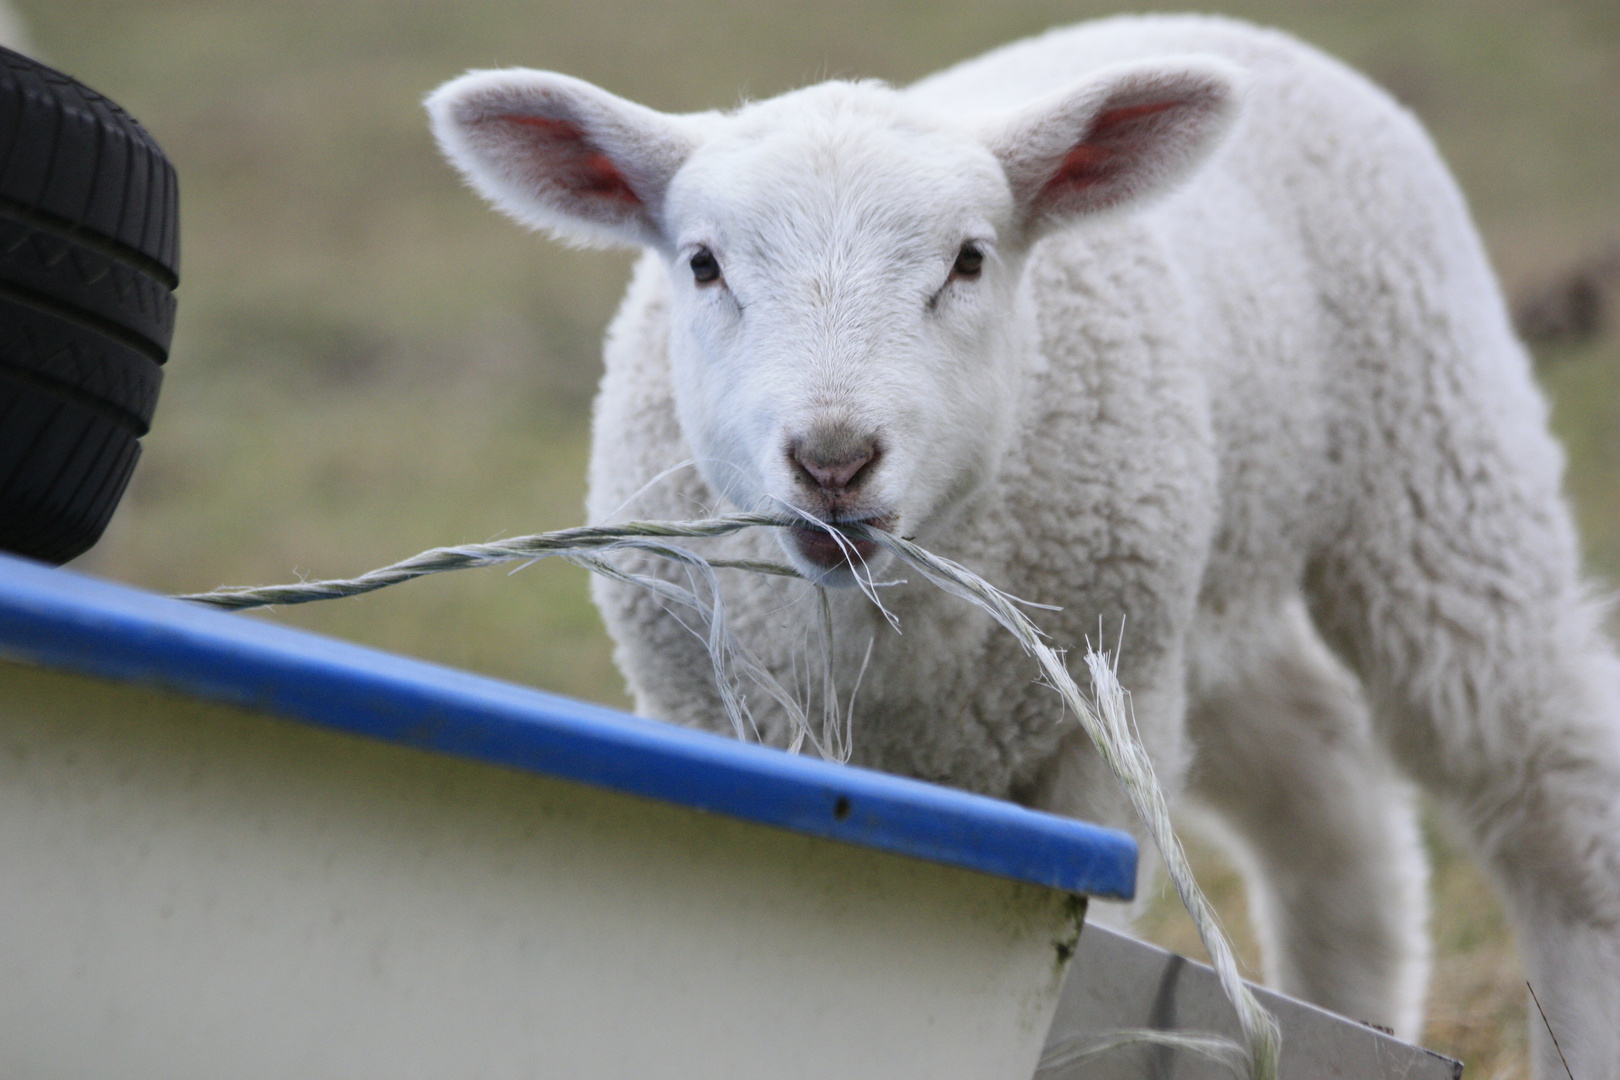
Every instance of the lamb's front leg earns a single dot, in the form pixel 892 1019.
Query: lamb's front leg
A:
pixel 1325 832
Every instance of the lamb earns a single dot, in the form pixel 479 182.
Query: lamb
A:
pixel 1182 327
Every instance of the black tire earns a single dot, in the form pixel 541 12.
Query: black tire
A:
pixel 89 259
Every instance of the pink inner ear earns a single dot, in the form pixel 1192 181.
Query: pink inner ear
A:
pixel 563 154
pixel 1105 150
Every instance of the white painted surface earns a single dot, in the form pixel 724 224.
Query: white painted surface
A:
pixel 188 890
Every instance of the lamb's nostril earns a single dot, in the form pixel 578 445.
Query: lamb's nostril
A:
pixel 836 471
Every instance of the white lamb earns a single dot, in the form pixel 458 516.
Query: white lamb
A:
pixel 1273 419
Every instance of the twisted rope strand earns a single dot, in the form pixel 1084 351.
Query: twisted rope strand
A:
pixel 564 542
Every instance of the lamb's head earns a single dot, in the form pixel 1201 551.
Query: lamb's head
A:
pixel 843 262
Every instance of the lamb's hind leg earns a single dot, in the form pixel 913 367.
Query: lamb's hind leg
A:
pixel 1455 597
pixel 1326 834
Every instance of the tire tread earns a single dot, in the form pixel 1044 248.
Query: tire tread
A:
pixel 89 259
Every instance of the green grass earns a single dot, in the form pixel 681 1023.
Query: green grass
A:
pixel 370 362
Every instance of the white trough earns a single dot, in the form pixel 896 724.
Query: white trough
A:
pixel 230 849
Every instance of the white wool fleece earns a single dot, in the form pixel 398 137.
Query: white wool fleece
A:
pixel 1178 325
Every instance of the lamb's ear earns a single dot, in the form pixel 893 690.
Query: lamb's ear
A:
pixel 559 154
pixel 1123 133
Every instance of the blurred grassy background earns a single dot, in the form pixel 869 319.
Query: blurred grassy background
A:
pixel 369 362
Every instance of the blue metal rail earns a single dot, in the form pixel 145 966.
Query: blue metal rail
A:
pixel 71 622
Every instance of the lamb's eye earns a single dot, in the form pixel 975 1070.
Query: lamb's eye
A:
pixel 969 261
pixel 705 267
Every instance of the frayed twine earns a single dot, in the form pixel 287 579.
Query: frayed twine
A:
pixel 1105 714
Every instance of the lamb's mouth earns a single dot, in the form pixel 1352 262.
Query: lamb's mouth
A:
pixel 821 548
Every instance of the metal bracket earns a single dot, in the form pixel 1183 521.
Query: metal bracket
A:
pixel 1117 982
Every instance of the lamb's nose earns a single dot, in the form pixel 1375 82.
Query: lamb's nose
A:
pixel 833 469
